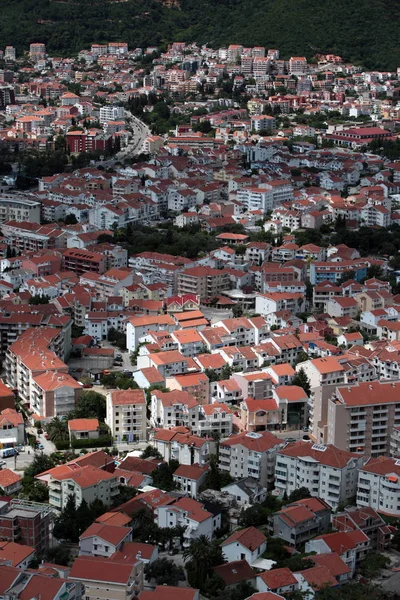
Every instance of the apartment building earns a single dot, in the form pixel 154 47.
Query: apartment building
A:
pixel 203 281
pixel 361 417
pixel 300 521
pixel 351 546
pixel 323 371
pixel 34 360
pixel 84 483
pixel 328 472
pixel 379 485
pixel 126 414
pixel 179 444
pixel 137 327
pixel 196 384
pixel 214 418
pixel 104 540
pixel 108 578
pixel 18 208
pixel 192 515
pixel 250 455
pixel 25 523
pixel 368 521
pixel 81 261
pixel 173 409
pixel 297 65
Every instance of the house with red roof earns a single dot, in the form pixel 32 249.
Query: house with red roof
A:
pixel 246 544
pixel 278 581
pixel 167 592
pixel 235 572
pixel 179 444
pixel 312 580
pixel 10 482
pixel 191 514
pixel 103 540
pixel 351 546
pixel 250 454
pixel 84 429
pixel 300 521
pixel 16 555
pixel 189 478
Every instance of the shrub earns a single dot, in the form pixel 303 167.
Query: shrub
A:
pixel 100 442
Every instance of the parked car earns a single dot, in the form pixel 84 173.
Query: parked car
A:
pixel 46 435
pixel 40 446
pixel 40 431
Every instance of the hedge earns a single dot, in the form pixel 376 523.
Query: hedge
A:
pixel 62 445
pixel 101 442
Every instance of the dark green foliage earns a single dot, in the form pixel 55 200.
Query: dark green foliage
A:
pixel 150 451
pixel 101 442
pixel 59 555
pixel 75 520
pixel 301 27
pixel 162 476
pixel 299 494
pixel 373 564
pixel 38 299
pixel 200 557
pixel 215 478
pixel 91 405
pixel 302 381
pixel 34 490
pixel 125 493
pixel 117 337
pixel 165 572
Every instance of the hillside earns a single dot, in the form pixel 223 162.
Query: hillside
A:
pixel 364 31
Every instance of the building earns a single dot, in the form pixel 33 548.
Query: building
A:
pixel 190 514
pixel 246 544
pixel 81 261
pixel 174 409
pixel 10 482
pixel 379 487
pixel 19 209
pixel 138 327
pixel 83 429
pixel 329 473
pixel 177 443
pixel 351 546
pixel 368 521
pixel 25 522
pixel 205 282
pixel 103 540
pixel 250 455
pixel 361 417
pixel 85 483
pixel 189 478
pixel 113 579
pixel 12 428
pixel 126 414
pixel 300 521
pixel 16 555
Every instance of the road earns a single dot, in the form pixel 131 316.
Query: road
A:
pixel 139 133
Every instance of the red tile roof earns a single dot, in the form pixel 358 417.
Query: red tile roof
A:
pixel 276 578
pixel 250 537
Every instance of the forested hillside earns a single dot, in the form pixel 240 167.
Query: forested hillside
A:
pixel 364 31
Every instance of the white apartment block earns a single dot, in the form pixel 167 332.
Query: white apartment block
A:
pixel 173 409
pixel 379 485
pixel 329 473
pixel 17 208
pixel 126 414
pixel 250 455
pixel 111 113
pixel 361 417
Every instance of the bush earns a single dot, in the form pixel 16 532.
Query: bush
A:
pixel 62 445
pixel 100 442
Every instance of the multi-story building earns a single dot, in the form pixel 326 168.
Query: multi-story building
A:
pixel 34 360
pixel 379 485
pixel 203 281
pixel 329 473
pixel 110 578
pixel 18 208
pixel 368 521
pixel 111 113
pixel 361 417
pixel 250 455
pixel 179 444
pixel 126 414
pixel 37 51
pixel 84 483
pixel 81 261
pixel 191 514
pixel 137 327
pixel 25 522
pixel 297 65
pixel 300 521
pixel 174 409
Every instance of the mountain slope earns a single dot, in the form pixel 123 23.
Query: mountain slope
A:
pixel 365 31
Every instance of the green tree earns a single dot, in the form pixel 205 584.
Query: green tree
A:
pixel 41 462
pixel 200 557
pixel 215 478
pixel 66 526
pixel 165 572
pixel 151 451
pixel 237 310
pixel 39 299
pixel 299 494
pixel 91 405
pixel 302 381
pixel 34 490
pixel 71 219
pixel 373 564
pixel 59 555
pixel 58 430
